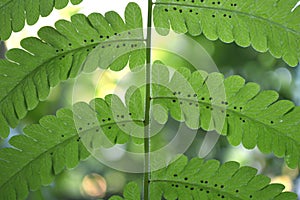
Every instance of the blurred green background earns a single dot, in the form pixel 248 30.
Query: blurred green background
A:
pixel 93 180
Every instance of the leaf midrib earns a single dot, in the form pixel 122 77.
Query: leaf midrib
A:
pixel 198 185
pixel 234 11
pixel 52 58
pixel 278 132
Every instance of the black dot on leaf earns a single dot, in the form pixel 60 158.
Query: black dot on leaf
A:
pixel 122 116
pixel 188 95
pixel 103 120
pixel 92 40
pixel 213 2
pixel 222 186
pixel 174 8
pixel 97 130
pixel 237 191
pixel 201 189
pixel 272 122
pixel 85 40
pixel 235 107
pixel 107 37
pixel 175 175
pixel 101 36
pixel 166 10
pixel 196 105
pixel 207 192
pixel 70 44
pixel 109 127
pixel 191 104
pixel 201 181
pixel 206 182
pixel 191 10
pixel 192 188
pixel 130 114
pixel 222 196
pixel 186 186
pixel 213 16
pixel 186 178
pixel 174 101
pixel 216 185
pixel 62 136
pixel 80 128
pixel 193 1
pixel 229 16
pixel 181 102
pixel 250 196
pixel 172 185
pixel 108 119
pixel 176 186
pixel 57 50
pixel 219 2
pixel 224 15
pixel 202 98
pixel 51 153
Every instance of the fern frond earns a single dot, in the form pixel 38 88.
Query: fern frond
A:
pixel 45 149
pixel 38 155
pixel 13 13
pixel 266 25
pixel 240 111
pixel 94 41
pixel 197 179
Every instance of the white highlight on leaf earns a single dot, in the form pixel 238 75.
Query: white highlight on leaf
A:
pixel 298 4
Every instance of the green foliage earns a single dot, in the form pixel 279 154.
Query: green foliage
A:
pixel 197 179
pixel 27 75
pixel 42 152
pixel 261 24
pixel 13 13
pixel 235 109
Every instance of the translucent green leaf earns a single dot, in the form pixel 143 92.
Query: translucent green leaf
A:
pixel 63 52
pixel 266 25
pixel 237 110
pixel 13 13
pixel 197 179
pixel 43 151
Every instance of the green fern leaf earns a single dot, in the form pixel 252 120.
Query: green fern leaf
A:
pixel 197 179
pixel 13 13
pixel 82 44
pixel 266 25
pixel 240 111
pixel 118 122
pixel 62 141
pixel 38 155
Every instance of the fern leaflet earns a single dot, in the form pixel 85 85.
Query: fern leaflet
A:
pixel 266 25
pixel 197 179
pixel 13 13
pixel 27 75
pixel 38 155
pixel 240 111
pixel 45 149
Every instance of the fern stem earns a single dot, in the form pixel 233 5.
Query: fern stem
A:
pixel 147 105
